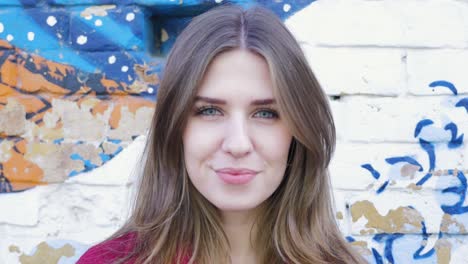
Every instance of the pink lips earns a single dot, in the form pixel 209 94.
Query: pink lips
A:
pixel 236 176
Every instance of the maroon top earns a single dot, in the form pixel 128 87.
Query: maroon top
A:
pixel 110 251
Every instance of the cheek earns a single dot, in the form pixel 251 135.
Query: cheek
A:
pixel 274 145
pixel 198 144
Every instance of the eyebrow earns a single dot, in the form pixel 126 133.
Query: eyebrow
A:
pixel 223 102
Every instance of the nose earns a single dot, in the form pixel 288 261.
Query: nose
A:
pixel 237 141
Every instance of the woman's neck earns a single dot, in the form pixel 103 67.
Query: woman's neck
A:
pixel 237 226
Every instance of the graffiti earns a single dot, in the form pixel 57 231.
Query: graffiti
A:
pixel 78 83
pixel 400 225
pixel 43 107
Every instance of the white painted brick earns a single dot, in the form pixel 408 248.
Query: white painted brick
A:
pixel 85 213
pixel 337 112
pixel 374 119
pixel 401 23
pixel 434 23
pixel 358 70
pixel 347 173
pixel 85 206
pixel 340 199
pixel 20 208
pixel 465 156
pixel 427 66
pixel 458 254
pixel 348 23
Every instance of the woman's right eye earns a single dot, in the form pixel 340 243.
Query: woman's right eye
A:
pixel 208 111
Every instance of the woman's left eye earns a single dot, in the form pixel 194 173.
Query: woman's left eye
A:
pixel 268 114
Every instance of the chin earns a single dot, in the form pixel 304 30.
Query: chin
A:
pixel 236 206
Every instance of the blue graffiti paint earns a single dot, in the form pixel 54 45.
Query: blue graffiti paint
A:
pixel 463 103
pixel 421 124
pixel 88 165
pixel 445 84
pixel 382 188
pixel 21 23
pixel 373 172
pixel 377 257
pixel 131 34
pixel 115 141
pixel 455 141
pixel 58 141
pixel 417 254
pixel 106 157
pixel 429 148
pixel 110 36
pixel 460 190
pixel 173 27
pixel 5 184
pixel 388 240
pixel 407 159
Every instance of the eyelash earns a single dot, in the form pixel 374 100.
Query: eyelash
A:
pixel 201 109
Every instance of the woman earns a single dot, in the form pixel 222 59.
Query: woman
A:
pixel 235 167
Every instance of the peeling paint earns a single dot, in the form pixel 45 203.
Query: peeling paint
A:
pixel 450 225
pixel 47 254
pixel 164 35
pixel 339 215
pixel 14 249
pixel 443 250
pixel 400 220
pixel 361 247
pixel 409 170
pixel 414 187
pixel 97 11
pixel 129 123
pixel 12 118
pixel 142 72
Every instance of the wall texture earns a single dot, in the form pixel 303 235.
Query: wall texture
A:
pixel 78 84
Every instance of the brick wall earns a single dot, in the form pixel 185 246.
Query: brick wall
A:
pixel 78 84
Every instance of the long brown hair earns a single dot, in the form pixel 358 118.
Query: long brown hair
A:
pixel 172 219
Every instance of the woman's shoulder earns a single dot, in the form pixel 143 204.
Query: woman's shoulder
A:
pixel 109 251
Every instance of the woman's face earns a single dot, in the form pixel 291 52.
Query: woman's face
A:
pixel 235 143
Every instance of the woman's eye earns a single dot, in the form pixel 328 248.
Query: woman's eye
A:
pixel 268 114
pixel 209 111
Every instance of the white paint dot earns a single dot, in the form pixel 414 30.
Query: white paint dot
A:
pixel 1 28
pixel 124 68
pixel 51 21
pixel 31 36
pixel 218 1
pixel 286 7
pixel 81 39
pixel 88 17
pixel 98 23
pixel 9 37
pixel 130 17
pixel 150 90
pixel 112 59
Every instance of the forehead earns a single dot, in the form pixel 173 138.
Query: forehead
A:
pixel 237 74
